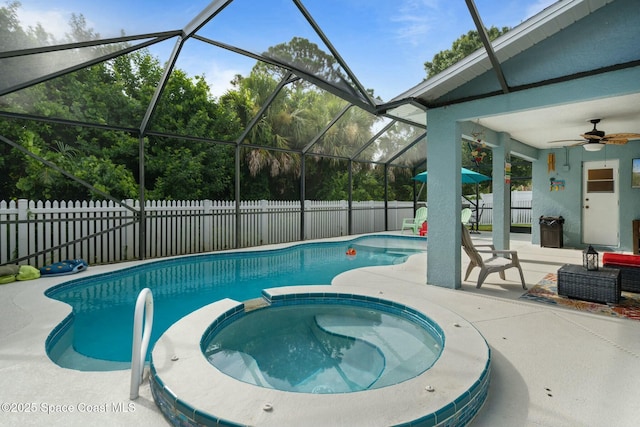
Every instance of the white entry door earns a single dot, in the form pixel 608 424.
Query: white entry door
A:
pixel 600 216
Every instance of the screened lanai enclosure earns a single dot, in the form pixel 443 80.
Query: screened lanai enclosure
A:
pixel 120 119
pixel 123 115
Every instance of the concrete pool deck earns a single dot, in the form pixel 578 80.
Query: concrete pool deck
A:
pixel 550 366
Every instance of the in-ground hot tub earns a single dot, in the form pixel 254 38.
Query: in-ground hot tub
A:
pixel 447 390
pixel 329 347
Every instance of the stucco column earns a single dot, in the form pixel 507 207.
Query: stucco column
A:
pixel 444 194
pixel 501 192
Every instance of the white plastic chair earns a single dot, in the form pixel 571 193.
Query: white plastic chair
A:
pixel 415 223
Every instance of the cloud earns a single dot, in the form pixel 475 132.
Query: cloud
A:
pixel 219 79
pixel 415 19
pixel 54 21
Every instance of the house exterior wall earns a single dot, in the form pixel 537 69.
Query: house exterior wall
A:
pixel 568 202
pixel 605 31
pixel 531 75
pixel 447 125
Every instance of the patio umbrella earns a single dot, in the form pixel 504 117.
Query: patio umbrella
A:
pixel 468 177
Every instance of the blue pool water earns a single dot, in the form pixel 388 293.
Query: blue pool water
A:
pixel 100 326
pixel 323 348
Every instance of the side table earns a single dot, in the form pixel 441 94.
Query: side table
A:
pixel 603 285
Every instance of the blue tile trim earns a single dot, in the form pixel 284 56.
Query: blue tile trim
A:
pixel 58 332
pixel 218 324
pixel 328 298
pixel 204 418
pixel 181 414
pixel 469 403
pixel 153 265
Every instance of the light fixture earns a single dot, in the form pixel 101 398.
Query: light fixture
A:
pixel 593 146
pixel 590 259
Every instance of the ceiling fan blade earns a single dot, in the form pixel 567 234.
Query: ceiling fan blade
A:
pixel 614 141
pixel 623 136
pixel 566 140
pixel 579 144
pixel 593 137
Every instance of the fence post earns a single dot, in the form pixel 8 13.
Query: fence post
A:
pixel 207 225
pixel 307 219
pixel 23 228
pixel 372 218
pixel 127 241
pixel 344 223
pixel 264 222
pixel 392 220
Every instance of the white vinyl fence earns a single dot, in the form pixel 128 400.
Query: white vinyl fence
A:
pixel 520 208
pixel 41 233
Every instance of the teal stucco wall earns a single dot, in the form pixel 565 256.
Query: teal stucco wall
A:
pixel 568 202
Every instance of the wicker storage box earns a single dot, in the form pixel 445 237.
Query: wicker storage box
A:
pixel 604 285
pixel 629 266
pixel 629 277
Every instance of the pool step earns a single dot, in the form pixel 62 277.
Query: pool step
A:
pixel 400 348
pixel 254 304
pixel 358 364
pixel 240 366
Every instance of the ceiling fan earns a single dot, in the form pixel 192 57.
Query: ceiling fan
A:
pixel 595 139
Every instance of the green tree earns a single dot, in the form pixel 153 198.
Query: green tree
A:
pixel 187 108
pixel 43 182
pixel 334 187
pixel 293 119
pixel 462 47
pixel 12 35
pixel 177 165
pixel 303 54
pixel 115 92
pixel 367 185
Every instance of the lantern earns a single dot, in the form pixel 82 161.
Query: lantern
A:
pixel 590 259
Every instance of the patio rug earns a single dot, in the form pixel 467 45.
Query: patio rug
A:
pixel 546 291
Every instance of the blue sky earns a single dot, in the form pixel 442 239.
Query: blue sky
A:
pixel 385 43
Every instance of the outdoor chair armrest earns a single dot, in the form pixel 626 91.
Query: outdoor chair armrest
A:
pixel 493 248
pixel 513 254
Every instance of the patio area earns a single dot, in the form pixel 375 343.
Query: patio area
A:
pixel 550 366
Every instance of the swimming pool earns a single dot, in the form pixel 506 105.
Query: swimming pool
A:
pixel 324 348
pixel 102 305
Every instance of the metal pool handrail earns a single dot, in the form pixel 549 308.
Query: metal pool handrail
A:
pixel 144 306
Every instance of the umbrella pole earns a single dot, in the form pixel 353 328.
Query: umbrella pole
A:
pixel 477 225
